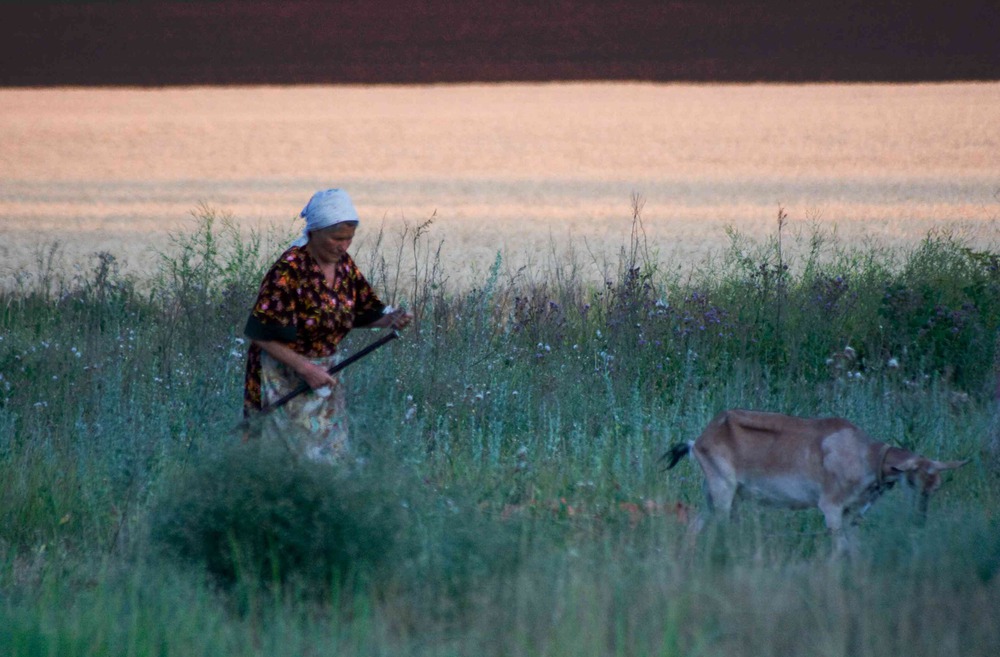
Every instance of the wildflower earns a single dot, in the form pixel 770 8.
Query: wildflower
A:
pixel 521 456
pixel 892 364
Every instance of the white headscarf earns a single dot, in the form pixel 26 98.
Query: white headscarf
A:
pixel 326 208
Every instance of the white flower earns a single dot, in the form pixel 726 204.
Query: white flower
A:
pixel 892 364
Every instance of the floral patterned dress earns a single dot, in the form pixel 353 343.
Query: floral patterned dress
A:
pixel 297 306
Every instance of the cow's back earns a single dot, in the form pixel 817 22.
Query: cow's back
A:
pixel 769 443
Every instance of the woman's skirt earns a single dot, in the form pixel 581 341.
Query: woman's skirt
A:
pixel 313 424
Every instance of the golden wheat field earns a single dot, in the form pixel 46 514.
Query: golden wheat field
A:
pixel 526 169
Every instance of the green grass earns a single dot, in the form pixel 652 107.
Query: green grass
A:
pixel 507 498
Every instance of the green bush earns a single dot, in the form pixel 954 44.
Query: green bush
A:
pixel 258 512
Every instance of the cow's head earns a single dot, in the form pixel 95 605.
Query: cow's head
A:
pixel 923 475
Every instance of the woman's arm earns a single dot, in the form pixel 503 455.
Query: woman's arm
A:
pixel 397 319
pixel 315 375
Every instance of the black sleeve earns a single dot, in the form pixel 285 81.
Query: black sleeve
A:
pixel 258 330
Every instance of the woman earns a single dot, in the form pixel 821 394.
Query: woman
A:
pixel 308 301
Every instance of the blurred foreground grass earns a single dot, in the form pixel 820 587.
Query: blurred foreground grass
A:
pixel 506 498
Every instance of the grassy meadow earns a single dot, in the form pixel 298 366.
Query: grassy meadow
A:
pixel 506 496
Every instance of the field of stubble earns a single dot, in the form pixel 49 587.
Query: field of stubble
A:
pixel 526 169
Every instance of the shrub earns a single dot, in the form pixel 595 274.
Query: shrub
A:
pixel 256 511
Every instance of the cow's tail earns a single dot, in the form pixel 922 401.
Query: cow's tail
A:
pixel 675 454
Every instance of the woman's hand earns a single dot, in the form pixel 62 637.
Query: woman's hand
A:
pixel 400 319
pixel 397 319
pixel 315 375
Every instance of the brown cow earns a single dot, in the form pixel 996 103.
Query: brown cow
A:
pixel 801 463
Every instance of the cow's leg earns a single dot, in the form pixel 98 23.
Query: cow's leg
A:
pixel 717 503
pixel 697 524
pixel 720 491
pixel 719 487
pixel 841 533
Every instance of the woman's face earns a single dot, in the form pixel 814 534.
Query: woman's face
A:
pixel 328 245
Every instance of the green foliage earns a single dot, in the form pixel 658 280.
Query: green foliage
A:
pixel 507 477
pixel 257 512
